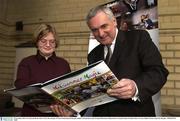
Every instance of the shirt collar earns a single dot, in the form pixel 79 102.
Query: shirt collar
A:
pixel 114 41
pixel 112 45
pixel 40 57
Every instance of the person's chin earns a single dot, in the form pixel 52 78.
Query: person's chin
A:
pixel 105 42
pixel 48 53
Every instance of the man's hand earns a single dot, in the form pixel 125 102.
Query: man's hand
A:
pixel 124 89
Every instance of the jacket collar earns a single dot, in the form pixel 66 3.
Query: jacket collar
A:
pixel 119 46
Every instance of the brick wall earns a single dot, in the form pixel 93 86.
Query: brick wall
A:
pixel 169 17
pixel 68 18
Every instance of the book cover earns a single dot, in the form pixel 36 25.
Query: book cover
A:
pixel 76 91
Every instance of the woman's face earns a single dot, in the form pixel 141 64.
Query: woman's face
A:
pixel 46 45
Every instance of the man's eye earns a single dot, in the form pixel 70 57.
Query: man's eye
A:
pixel 104 26
pixel 94 30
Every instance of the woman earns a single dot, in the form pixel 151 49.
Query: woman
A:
pixel 43 66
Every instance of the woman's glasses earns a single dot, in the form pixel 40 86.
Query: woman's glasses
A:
pixel 47 42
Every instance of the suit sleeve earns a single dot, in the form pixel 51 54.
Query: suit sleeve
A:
pixel 154 74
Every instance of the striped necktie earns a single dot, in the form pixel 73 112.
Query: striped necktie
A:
pixel 109 54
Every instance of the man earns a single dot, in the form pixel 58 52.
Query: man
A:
pixel 135 60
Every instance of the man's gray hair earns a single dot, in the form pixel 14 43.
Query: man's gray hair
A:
pixel 98 9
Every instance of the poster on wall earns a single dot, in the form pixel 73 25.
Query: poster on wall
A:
pixel 134 15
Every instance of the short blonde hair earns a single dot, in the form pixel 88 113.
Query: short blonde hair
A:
pixel 42 31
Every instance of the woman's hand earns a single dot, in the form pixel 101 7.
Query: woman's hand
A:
pixel 61 111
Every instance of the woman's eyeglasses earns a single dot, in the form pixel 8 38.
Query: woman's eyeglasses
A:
pixel 45 42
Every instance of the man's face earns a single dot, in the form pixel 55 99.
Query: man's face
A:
pixel 103 28
pixel 46 45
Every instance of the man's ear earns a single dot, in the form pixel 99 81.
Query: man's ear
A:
pixel 115 21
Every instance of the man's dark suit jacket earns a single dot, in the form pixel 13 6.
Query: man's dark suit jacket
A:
pixel 135 57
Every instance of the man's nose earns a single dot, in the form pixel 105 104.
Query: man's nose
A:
pixel 101 32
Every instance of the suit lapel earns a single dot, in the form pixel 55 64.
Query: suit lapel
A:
pixel 118 49
pixel 100 53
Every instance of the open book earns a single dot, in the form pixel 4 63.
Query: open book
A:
pixel 76 91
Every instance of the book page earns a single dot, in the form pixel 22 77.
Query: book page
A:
pixel 85 89
pixel 34 97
